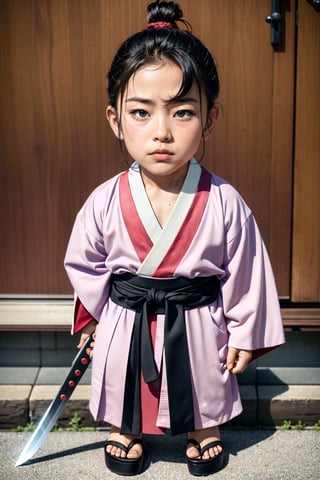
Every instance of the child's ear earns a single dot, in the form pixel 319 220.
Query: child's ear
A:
pixel 112 117
pixel 211 121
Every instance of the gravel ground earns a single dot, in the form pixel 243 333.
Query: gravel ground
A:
pixel 251 454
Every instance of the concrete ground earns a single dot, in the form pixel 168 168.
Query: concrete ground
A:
pixel 264 454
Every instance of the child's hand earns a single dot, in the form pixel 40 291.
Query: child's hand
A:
pixel 87 331
pixel 237 360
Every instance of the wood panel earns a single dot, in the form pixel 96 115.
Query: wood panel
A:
pixel 280 195
pixel 306 222
pixel 55 145
pixel 252 144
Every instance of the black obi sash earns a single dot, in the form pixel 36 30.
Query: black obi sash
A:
pixel 169 296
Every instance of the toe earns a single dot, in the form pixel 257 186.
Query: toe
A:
pixel 110 449
pixel 118 452
pixel 122 453
pixel 192 452
pixel 135 451
pixel 212 452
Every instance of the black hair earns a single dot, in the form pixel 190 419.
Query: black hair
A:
pixel 167 43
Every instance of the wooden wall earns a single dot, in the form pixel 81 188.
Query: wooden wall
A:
pixel 56 146
pixel 306 219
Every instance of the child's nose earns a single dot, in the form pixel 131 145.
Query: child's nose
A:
pixel 162 130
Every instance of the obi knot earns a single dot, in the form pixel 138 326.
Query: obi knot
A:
pixel 156 297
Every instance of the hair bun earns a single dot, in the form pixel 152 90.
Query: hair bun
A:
pixel 164 12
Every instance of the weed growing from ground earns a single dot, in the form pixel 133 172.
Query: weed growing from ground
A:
pixel 74 423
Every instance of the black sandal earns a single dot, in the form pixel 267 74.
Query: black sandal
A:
pixel 123 466
pixel 205 466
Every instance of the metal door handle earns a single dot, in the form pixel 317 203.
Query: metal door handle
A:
pixel 315 4
pixel 275 19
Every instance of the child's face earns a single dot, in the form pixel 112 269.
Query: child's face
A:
pixel 161 136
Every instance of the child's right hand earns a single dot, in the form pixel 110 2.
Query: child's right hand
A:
pixel 238 360
pixel 89 330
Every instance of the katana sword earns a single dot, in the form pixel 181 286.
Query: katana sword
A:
pixel 78 367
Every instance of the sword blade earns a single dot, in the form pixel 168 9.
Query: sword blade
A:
pixel 58 404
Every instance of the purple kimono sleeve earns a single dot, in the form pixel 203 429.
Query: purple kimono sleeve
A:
pixel 85 264
pixel 250 299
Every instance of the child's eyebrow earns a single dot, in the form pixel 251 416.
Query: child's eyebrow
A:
pixel 174 100
pixel 179 100
pixel 139 100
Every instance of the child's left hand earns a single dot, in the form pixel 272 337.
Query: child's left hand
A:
pixel 89 330
pixel 237 360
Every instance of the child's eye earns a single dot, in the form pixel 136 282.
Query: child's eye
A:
pixel 139 114
pixel 184 114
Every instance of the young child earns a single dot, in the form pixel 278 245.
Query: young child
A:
pixel 167 260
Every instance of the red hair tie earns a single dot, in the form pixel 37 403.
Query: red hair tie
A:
pixel 161 25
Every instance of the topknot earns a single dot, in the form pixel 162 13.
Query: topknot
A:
pixel 168 12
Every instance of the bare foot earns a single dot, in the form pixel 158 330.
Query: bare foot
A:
pixel 204 437
pixel 134 452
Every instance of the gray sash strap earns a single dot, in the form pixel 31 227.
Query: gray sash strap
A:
pixel 171 297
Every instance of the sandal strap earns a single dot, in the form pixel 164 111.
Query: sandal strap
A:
pixel 135 441
pixel 120 445
pixel 206 447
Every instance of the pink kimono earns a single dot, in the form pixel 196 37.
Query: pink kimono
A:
pixel 211 231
